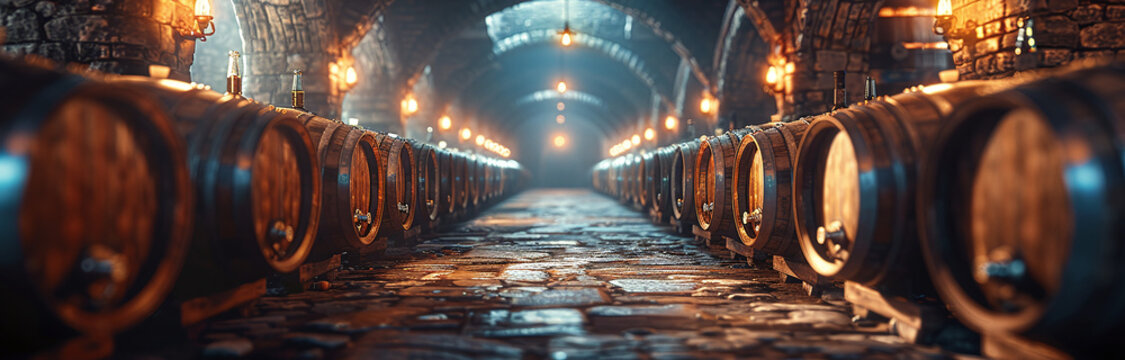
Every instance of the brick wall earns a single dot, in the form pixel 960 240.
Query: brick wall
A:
pixel 1062 30
pixel 122 37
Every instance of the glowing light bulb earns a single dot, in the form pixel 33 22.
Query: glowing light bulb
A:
pixel 670 122
pixel 705 105
pixel 771 75
pixel 561 87
pixel 351 77
pixel 944 8
pixel 202 7
pixel 466 134
pixel 566 41
pixel 560 106
pixel 445 123
pixel 442 144
pixel 560 119
pixel 480 140
pixel 636 139
pixel 650 134
pixel 560 141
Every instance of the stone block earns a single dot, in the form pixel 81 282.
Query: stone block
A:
pixel 20 49
pixel 988 46
pixel 986 65
pixel 46 8
pixel 856 62
pixel 162 11
pixel 1054 57
pixel 1087 14
pixel 1103 35
pixel 829 60
pixel 1056 31
pixel 89 52
pixel 1115 12
pixel 23 25
pixel 140 8
pixel 1005 61
pixel 1008 41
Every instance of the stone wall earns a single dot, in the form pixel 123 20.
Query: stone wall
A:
pixel 122 37
pixel 1061 31
pixel 284 35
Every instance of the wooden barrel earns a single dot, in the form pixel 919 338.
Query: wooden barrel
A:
pixel 429 188
pixel 461 180
pixel 1022 207
pixel 683 181
pixel 863 230
pixel 762 191
pixel 401 183
pixel 95 206
pixel 662 190
pixel 447 183
pixel 489 183
pixel 476 175
pixel 257 183
pixel 641 190
pixel 714 169
pixel 352 186
pixel 654 180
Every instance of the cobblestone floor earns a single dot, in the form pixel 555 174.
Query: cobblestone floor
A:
pixel 561 274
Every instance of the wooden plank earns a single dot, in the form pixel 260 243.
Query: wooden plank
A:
pixel 199 309
pixel 310 270
pixel 913 321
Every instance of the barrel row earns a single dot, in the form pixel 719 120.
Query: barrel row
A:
pixel 122 195
pixel 1006 199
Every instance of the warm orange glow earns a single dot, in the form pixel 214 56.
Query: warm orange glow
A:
pixel 938 45
pixel 790 68
pixel 772 75
pixel 566 41
pixel 561 87
pixel 202 7
pixel 670 122
pixel 705 105
pixel 560 106
pixel 626 144
pixel 636 139
pixel 906 11
pixel 650 134
pixel 409 105
pixel 333 68
pixel 351 77
pixel 466 134
pixel 560 141
pixel 445 123
pixel 944 8
pixel 480 139
pixel 560 119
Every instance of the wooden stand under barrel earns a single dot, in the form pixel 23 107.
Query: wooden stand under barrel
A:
pixel 793 270
pixel 712 240
pixel 326 269
pixel 198 309
pixel 995 346
pixel 913 321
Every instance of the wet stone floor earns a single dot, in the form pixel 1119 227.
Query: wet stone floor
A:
pixel 557 274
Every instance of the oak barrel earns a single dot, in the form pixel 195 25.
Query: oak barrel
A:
pixel 1022 210
pixel 256 175
pixel 401 183
pixel 352 186
pixel 854 182
pixel 95 207
pixel 762 189
pixel 683 182
pixel 714 169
